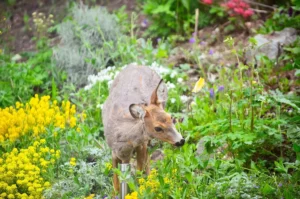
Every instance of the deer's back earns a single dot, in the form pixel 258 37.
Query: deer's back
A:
pixel 133 85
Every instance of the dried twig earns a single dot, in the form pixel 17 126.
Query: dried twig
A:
pixel 260 4
pixel 196 24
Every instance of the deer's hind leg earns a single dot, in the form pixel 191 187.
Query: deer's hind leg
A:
pixel 116 182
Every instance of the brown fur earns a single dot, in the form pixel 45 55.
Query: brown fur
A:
pixel 130 114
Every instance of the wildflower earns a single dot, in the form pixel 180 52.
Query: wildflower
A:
pixel 108 166
pixel 211 52
pixel 184 98
pixel 202 43
pixel 90 196
pixel 173 100
pixel 207 2
pixel 144 23
pixel 248 13
pixel 34 116
pixel 99 106
pixel 192 40
pixel 73 161
pixel 239 7
pixel 211 93
pixel 280 184
pixel 141 181
pixel 20 172
pixel 179 80
pixel 133 195
pixel 221 88
pixel 199 85
pixel 170 85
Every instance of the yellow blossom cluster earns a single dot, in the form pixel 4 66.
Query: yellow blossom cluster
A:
pixel 133 195
pixel 91 196
pixel 108 166
pixel 34 116
pixel 73 162
pixel 152 183
pixel 21 171
pixel 42 22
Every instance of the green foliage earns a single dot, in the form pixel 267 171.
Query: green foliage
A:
pixel 20 80
pixel 282 17
pixel 169 16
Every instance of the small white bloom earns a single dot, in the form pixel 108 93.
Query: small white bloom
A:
pixel 173 74
pixel 100 106
pixel 180 80
pixel 109 83
pixel 88 87
pixel 184 98
pixel 170 85
pixel 173 100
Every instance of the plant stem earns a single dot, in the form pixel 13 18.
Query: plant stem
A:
pixel 251 99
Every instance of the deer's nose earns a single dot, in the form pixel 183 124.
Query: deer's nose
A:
pixel 182 141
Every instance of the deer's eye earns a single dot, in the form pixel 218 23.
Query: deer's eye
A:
pixel 158 129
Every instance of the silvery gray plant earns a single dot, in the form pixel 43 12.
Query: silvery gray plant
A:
pixel 80 52
pixel 86 176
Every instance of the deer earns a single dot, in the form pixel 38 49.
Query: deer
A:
pixel 133 115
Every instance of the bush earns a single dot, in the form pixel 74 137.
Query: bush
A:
pixel 19 81
pixel 82 36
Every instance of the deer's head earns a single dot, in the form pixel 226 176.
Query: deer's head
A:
pixel 157 121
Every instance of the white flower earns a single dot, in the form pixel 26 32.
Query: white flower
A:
pixel 173 74
pixel 100 106
pixel 184 98
pixel 173 100
pixel 180 80
pixel 109 83
pixel 170 85
pixel 88 87
pixel 160 69
pixel 105 75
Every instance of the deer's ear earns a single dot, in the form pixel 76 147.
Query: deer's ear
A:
pixel 159 95
pixel 137 111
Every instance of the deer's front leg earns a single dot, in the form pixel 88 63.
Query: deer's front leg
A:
pixel 143 158
pixel 116 182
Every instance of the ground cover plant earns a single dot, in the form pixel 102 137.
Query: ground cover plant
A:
pixel 240 119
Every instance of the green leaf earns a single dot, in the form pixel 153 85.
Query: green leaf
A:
pixel 186 4
pixel 296 148
pixel 267 189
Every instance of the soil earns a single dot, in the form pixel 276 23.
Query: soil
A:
pixel 17 35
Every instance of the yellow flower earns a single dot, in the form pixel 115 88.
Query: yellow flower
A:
pixel 90 196
pixel 133 195
pixel 199 85
pixel 73 161
pixel 34 117
pixel 108 166
pixel 141 181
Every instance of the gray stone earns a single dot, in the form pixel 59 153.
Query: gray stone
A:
pixel 271 45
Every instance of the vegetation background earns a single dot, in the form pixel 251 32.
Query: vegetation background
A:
pixel 232 69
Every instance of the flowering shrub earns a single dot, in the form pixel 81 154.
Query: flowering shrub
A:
pixel 234 7
pixel 34 116
pixel 21 171
pixel 239 7
pixel 152 185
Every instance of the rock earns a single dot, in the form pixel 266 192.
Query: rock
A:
pixel 16 58
pixel 157 155
pixel 271 45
